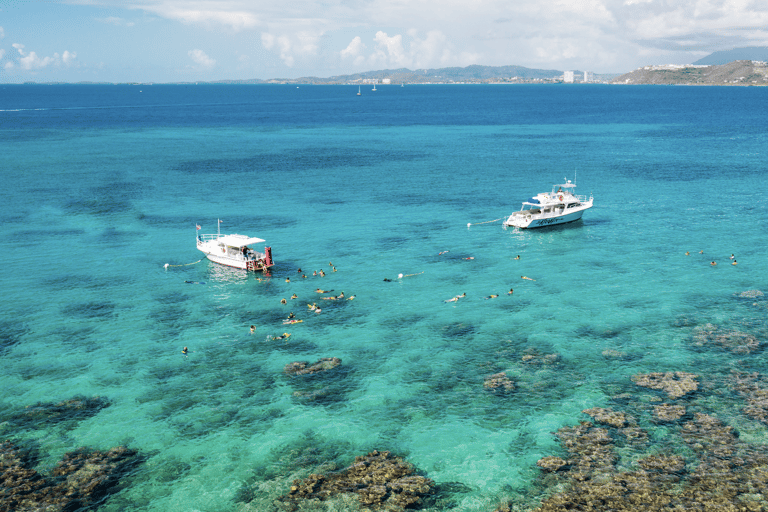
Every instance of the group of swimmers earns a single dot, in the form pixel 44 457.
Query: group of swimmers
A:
pixel 713 263
pixel 491 296
pixel 311 307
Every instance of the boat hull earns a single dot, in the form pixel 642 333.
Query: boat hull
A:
pixel 224 260
pixel 232 257
pixel 522 221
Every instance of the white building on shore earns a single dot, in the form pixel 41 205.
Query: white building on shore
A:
pixel 568 77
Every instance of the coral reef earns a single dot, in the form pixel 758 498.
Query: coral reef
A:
pixel 304 368
pixel 379 480
pixel 499 382
pixel 552 464
pixel 607 416
pixel 675 384
pixel 711 469
pixel 750 294
pixel 79 480
pixel 755 393
pixel 728 475
pixel 318 383
pixel 44 413
pixel 732 340
pixel 533 356
pixel 666 413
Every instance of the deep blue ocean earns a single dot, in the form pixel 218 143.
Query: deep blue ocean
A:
pixel 103 186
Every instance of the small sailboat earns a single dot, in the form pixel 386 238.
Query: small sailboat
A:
pixel 374 87
pixel 358 91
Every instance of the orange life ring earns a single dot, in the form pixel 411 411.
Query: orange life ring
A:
pixel 561 197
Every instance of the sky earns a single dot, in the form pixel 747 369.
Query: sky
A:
pixel 202 40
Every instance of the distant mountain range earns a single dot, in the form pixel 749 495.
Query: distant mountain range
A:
pixel 724 57
pixel 474 73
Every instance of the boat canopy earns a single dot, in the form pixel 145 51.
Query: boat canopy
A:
pixel 238 240
pixel 567 184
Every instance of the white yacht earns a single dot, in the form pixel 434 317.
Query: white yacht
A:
pixel 234 251
pixel 550 208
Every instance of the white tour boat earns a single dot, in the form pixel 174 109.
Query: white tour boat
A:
pixel 550 208
pixel 234 251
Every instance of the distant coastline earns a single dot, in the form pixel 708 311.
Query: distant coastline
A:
pixel 739 72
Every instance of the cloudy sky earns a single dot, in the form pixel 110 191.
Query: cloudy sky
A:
pixel 186 40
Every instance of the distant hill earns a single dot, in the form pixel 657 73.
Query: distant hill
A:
pixel 740 72
pixel 474 73
pixel 726 56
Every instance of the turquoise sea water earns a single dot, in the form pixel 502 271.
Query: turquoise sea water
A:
pixel 103 186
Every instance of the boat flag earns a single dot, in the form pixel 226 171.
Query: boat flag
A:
pixel 197 226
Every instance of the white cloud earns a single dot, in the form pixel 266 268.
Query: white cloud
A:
pixel 416 51
pixel 69 58
pixel 201 59
pixel 30 61
pixel 235 14
pixel 8 65
pixel 301 44
pixel 113 20
pixel 354 48
pixel 2 53
pixel 2 33
pixel 389 51
pixel 604 35
pixel 354 51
